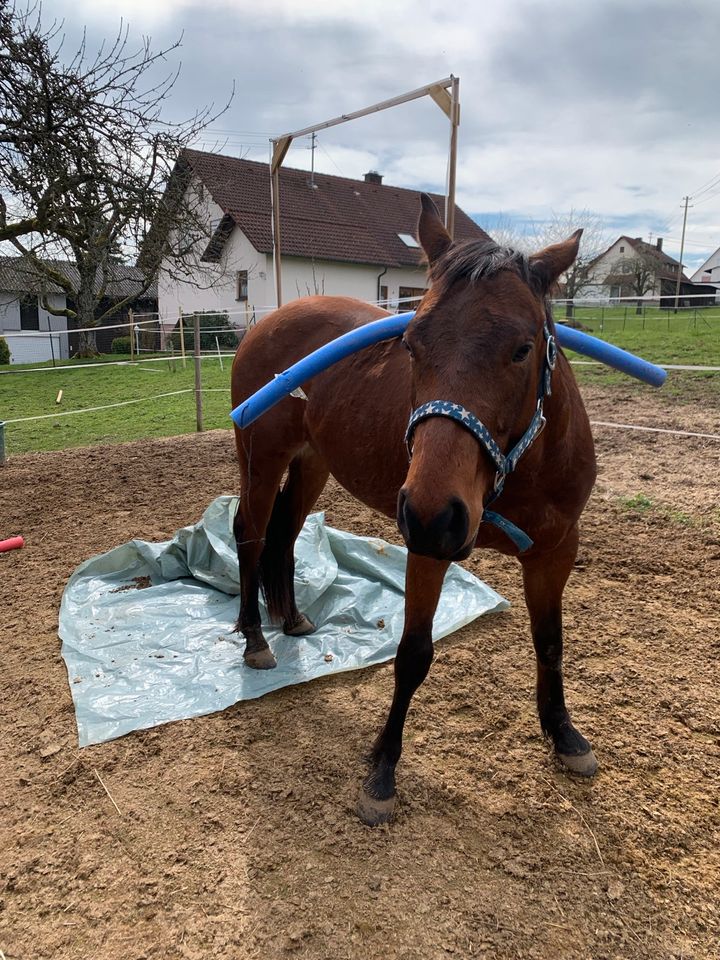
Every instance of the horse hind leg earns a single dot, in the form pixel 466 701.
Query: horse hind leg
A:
pixel 306 479
pixel 254 510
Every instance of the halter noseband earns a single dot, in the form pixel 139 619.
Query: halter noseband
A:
pixel 505 463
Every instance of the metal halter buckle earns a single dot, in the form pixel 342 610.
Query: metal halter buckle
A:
pixel 551 352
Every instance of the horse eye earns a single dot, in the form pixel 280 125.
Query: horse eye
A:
pixel 407 346
pixel 522 353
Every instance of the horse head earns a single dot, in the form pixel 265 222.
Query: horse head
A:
pixel 480 344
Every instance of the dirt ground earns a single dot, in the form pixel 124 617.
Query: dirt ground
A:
pixel 234 836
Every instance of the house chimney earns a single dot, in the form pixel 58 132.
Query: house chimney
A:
pixel 372 176
pixel 658 243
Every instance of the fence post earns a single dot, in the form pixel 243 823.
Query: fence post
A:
pixel 131 331
pixel 3 458
pixel 52 345
pixel 198 375
pixel 182 336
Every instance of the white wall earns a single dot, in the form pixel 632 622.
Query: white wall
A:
pixel 32 346
pixel 303 277
pixel 609 263
pixel 712 267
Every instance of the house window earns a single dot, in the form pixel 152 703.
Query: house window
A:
pixel 410 297
pixel 241 290
pixel 383 296
pixel 622 249
pixel 29 317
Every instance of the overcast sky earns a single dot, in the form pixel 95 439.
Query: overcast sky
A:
pixel 599 104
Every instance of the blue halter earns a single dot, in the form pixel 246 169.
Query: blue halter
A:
pixel 505 463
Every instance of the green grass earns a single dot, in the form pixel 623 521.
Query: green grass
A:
pixel 689 337
pixel 24 394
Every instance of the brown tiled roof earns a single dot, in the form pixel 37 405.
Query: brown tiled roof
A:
pixel 666 266
pixel 17 275
pixel 339 219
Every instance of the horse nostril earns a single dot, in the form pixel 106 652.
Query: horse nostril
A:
pixel 458 527
pixel 442 536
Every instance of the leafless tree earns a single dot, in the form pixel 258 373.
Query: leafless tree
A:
pixel 594 241
pixel 637 275
pixel 88 165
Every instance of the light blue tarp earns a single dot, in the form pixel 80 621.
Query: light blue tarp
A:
pixel 147 628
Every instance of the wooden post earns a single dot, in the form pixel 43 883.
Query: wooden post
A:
pixel 198 375
pixel 276 235
pixel 182 337
pixel 452 170
pixel 132 335
pixel 3 458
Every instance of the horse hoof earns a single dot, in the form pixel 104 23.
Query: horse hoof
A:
pixel 584 764
pixel 261 659
pixel 300 628
pixel 374 812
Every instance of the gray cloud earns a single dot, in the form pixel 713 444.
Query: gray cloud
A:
pixel 606 105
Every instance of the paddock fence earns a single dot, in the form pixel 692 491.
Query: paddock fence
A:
pixel 167 377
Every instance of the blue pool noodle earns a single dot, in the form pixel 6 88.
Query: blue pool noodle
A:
pixel 393 326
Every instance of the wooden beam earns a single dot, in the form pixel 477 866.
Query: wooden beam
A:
pixel 375 108
pixel 442 98
pixel 281 145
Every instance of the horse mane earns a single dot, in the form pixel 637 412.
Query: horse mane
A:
pixel 475 260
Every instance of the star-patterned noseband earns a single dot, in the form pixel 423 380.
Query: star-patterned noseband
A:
pixel 504 463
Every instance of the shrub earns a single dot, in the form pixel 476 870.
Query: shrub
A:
pixel 211 325
pixel 4 351
pixel 120 345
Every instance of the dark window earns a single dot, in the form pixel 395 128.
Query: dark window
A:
pixel 241 292
pixel 622 249
pixel 383 296
pixel 405 293
pixel 29 317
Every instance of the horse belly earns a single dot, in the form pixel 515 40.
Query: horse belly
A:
pixel 356 417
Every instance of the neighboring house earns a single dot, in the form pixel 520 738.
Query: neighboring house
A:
pixel 709 273
pixel 632 269
pixel 338 236
pixel 35 335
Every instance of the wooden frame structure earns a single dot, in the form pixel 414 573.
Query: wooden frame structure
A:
pixel 445 93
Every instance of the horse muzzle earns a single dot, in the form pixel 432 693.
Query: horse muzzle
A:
pixel 444 535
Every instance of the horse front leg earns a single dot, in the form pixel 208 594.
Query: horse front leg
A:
pixel 545 576
pixel 423 583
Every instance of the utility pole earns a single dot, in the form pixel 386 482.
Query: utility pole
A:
pixel 682 248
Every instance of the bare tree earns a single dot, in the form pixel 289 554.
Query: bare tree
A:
pixel 637 275
pixel 88 165
pixel 594 241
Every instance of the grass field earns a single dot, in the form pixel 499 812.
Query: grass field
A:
pixel 25 394
pixel 690 337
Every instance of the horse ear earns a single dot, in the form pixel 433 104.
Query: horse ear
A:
pixel 548 265
pixel 433 237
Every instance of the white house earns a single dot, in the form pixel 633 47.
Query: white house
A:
pixel 338 236
pixel 34 335
pixel 635 270
pixel 709 272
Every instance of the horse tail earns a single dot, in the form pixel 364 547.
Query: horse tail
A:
pixel 276 567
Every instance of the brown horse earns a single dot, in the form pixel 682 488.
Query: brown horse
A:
pixel 482 339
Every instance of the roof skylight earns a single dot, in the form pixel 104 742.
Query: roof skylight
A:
pixel 408 240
